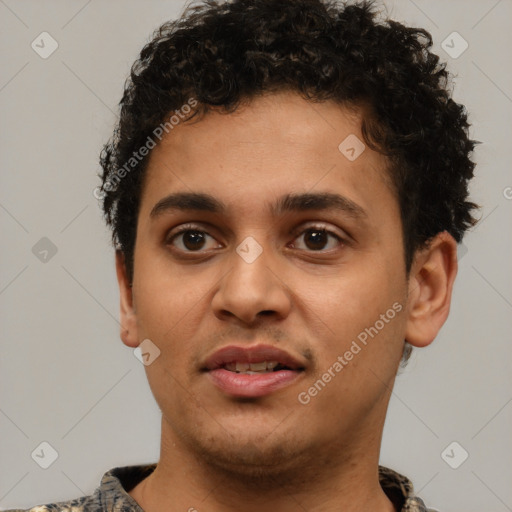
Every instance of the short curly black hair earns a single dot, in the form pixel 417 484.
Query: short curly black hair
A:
pixel 219 54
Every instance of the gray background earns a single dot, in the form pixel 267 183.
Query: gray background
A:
pixel 66 378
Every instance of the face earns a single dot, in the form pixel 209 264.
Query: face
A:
pixel 290 253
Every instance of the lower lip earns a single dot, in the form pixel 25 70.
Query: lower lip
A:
pixel 252 386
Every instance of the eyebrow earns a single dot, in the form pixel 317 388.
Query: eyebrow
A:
pixel 288 203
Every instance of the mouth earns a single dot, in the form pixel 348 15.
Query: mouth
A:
pixel 252 372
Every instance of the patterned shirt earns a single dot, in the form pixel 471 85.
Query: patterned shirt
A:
pixel 112 493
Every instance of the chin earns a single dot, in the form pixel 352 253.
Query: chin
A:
pixel 260 461
pixel 250 465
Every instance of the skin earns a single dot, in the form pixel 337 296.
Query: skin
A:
pixel 219 453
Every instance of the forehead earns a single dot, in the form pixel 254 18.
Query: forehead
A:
pixel 273 145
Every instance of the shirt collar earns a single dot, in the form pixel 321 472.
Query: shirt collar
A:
pixel 116 483
pixel 399 490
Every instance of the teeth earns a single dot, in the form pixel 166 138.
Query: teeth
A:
pixel 242 367
pixel 251 368
pixel 258 367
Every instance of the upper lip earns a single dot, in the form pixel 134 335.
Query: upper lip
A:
pixel 254 354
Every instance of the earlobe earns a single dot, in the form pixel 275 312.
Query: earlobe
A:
pixel 430 289
pixel 129 335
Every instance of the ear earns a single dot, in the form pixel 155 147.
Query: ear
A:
pixel 129 334
pixel 430 289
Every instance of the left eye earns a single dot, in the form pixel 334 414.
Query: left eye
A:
pixel 316 239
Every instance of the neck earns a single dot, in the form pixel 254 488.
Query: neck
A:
pixel 342 477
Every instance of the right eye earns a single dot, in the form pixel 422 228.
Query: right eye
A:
pixel 191 239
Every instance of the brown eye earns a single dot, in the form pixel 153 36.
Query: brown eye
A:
pixel 318 239
pixel 192 240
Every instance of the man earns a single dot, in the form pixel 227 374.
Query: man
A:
pixel 286 187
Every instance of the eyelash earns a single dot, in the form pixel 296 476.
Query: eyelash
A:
pixel 191 227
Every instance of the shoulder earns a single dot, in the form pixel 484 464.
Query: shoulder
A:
pixel 400 491
pixel 111 495
pixel 84 504
pixel 94 503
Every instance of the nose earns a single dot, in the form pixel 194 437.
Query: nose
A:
pixel 249 291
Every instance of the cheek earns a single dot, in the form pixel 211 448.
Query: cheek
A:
pixel 363 307
pixel 166 293
pixel 358 343
pixel 350 298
